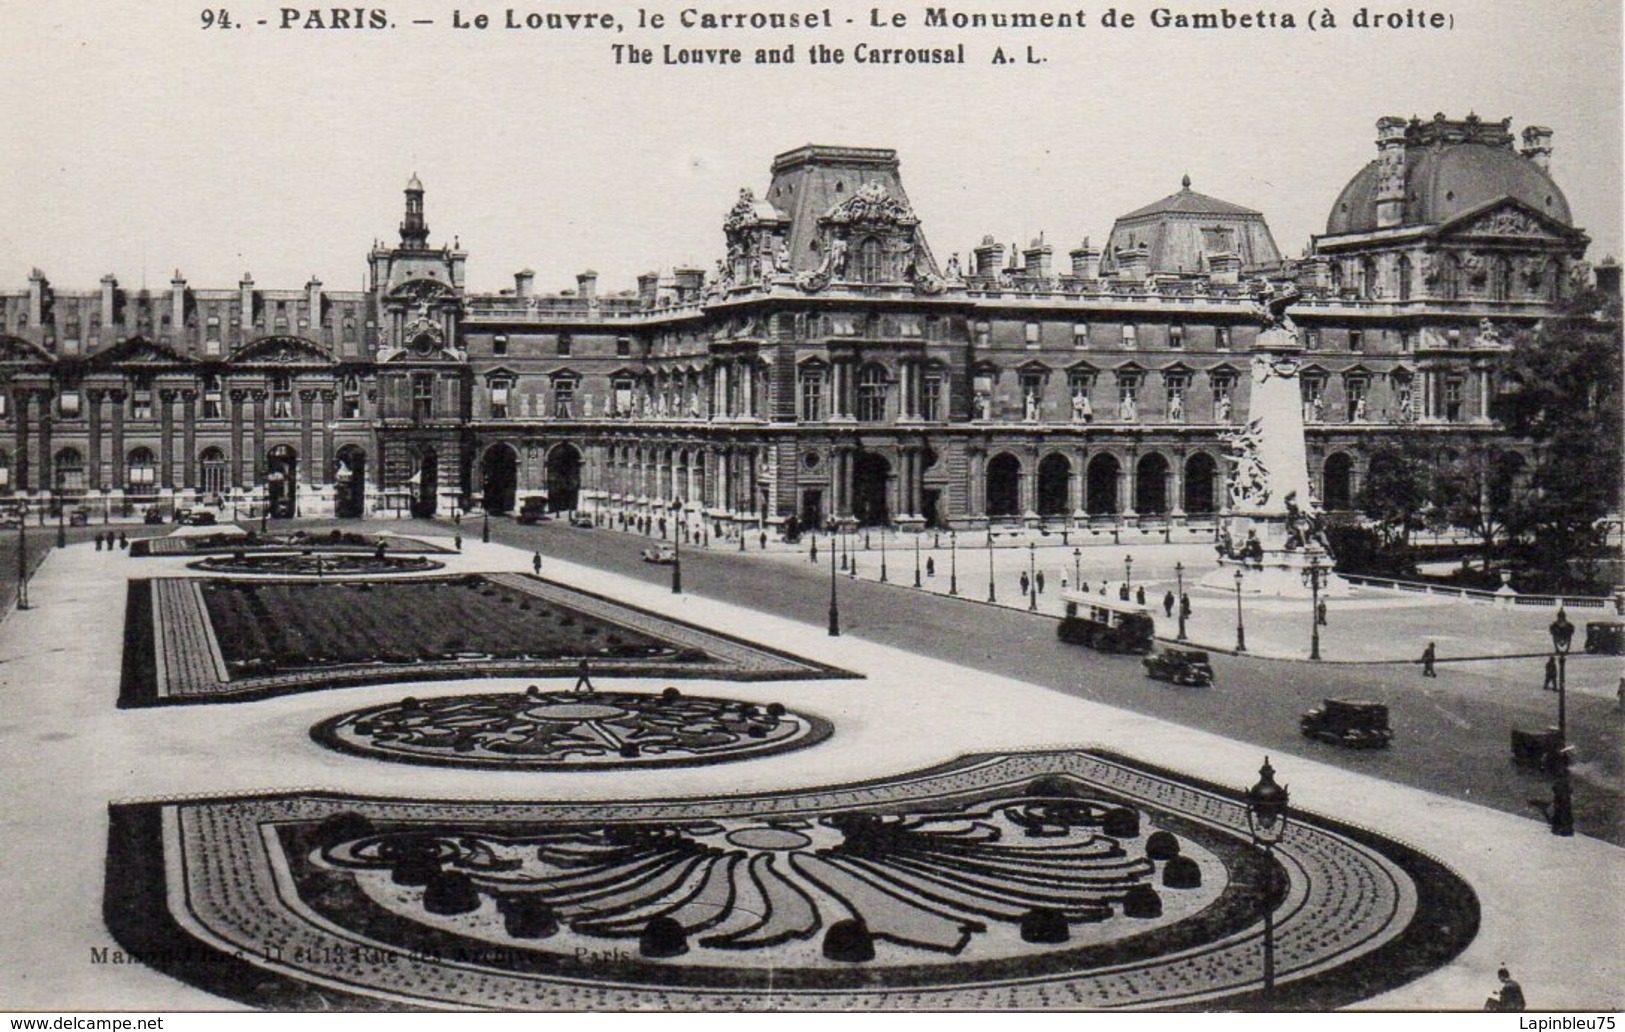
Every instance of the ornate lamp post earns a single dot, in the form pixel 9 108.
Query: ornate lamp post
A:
pixel 61 526
pixel 1032 577
pixel 992 594
pixel 1315 575
pixel 852 550
pixel 834 603
pixel 953 562
pixel 1179 574
pixel 1266 823
pixel 676 553
pixel 22 558
pixel 1241 631
pixel 1077 568
pixel 917 560
pixel 1562 632
pixel 485 525
pixel 1128 571
pixel 265 509
pixel 882 554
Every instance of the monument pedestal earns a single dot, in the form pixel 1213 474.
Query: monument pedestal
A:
pixel 1272 569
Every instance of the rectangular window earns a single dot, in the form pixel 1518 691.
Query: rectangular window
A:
pixel 281 397
pixel 1080 335
pixel 1078 387
pixel 1452 399
pixel 1033 333
pixel 812 396
pixel 1311 340
pixel 931 407
pixel 565 344
pixel 1128 398
pixel 1175 384
pixel 1221 338
pixel 1130 337
pixel 621 397
pixel 67 404
pixel 1356 389
pixel 1404 400
pixel 499 344
pixel 623 347
pixel 423 396
pixel 141 403
pixel 1313 392
pixel 1032 396
pixel 350 398
pixel 211 399
pixel 564 399
pixel 1356 341
pixel 499 399
pixel 1176 337
pixel 1224 387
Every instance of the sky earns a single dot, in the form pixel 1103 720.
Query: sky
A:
pixel 139 142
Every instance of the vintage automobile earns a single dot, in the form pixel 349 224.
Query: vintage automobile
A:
pixel 153 515
pixel 1353 723
pixel 1605 637
pixel 1538 750
pixel 11 517
pixel 1180 666
pixel 660 555
pixel 195 518
pixel 582 520
pixel 79 517
pixel 1105 624
pixel 532 510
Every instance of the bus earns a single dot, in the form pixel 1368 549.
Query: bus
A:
pixel 1107 625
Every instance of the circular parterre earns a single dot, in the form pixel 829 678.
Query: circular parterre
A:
pixel 315 564
pixel 538 730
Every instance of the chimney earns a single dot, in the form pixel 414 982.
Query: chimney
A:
pixel 989 256
pixel 524 283
pixel 313 298
pixel 1086 261
pixel 1224 267
pixel 1607 274
pixel 689 283
pixel 1038 258
pixel 177 307
pixel 587 284
pixel 648 284
pixel 109 292
pixel 36 298
pixel 1390 171
pixel 1537 147
pixel 245 292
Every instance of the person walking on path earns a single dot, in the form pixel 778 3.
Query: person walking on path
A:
pixel 1509 997
pixel 1040 581
pixel 1025 583
pixel 583 677
pixel 1185 606
pixel 1168 605
pixel 1139 595
pixel 1550 683
pixel 1320 613
pixel 457 539
pixel 1429 656
pixel 536 563
pixel 930 567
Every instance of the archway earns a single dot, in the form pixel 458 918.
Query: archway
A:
pixel 426 484
pixel 281 480
pixel 141 475
pixel 1054 482
pixel 1151 485
pixel 70 473
pixel 870 472
pixel 499 477
pixel 1104 472
pixel 1337 482
pixel 563 478
pixel 1201 477
pixel 1004 485
pixel 350 483
pixel 212 465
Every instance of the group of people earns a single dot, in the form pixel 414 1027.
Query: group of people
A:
pixel 107 540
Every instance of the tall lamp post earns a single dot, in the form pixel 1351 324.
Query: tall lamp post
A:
pixel 1179 574
pixel 917 559
pixel 22 558
pixel 953 562
pixel 883 554
pixel 1077 569
pixel 834 604
pixel 485 523
pixel 1128 571
pixel 1241 631
pixel 1315 574
pixel 676 552
pixel 61 526
pixel 1266 824
pixel 1032 577
pixel 992 593
pixel 1562 632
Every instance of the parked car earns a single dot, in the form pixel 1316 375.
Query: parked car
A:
pixel 1539 750
pixel 1352 723
pixel 532 510
pixel 1605 637
pixel 79 517
pixel 1180 666
pixel 11 518
pixel 195 518
pixel 153 516
pixel 1107 625
pixel 581 519
pixel 660 555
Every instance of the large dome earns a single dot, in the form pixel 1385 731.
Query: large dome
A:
pixel 1445 177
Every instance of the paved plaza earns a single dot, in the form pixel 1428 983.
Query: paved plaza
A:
pixel 93 787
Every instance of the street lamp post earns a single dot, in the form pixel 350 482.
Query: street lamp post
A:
pixel 852 551
pixel 22 559
pixel 992 593
pixel 882 554
pixel 1179 574
pixel 1562 632
pixel 953 562
pixel 485 524
pixel 834 604
pixel 676 554
pixel 1032 577
pixel 1077 569
pixel 1266 823
pixel 1241 631
pixel 61 526
pixel 1314 575
pixel 1128 571
pixel 917 560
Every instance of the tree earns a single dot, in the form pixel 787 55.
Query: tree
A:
pixel 1482 491
pixel 1561 391
pixel 1395 491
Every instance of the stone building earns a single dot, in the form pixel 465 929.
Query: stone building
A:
pixel 829 367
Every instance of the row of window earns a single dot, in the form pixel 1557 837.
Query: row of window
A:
pixel 70 400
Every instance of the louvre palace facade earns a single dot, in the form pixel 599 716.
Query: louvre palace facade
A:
pixel 831 366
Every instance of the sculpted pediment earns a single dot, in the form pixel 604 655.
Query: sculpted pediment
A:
pixel 282 350
pixel 143 352
pixel 1506 218
pixel 17 351
pixel 872 204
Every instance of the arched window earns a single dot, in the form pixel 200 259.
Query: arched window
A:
pixel 1404 278
pixel 871 261
pixel 213 464
pixel 140 472
pixel 70 472
pixel 872 394
pixel 1450 277
pixel 1370 285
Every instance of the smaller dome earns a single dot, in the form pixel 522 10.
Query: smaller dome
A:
pixel 414 183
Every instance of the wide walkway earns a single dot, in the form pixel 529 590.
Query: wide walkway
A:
pixel 1553 908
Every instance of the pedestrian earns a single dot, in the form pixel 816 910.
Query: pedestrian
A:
pixel 930 566
pixel 98 541
pixel 1040 579
pixel 1509 997
pixel 662 527
pixel 457 539
pixel 536 563
pixel 583 677
pixel 814 550
pixel 1025 583
pixel 1550 683
pixel 1139 595
pixel 763 540
pixel 1185 606
pixel 1619 700
pixel 1320 613
pixel 123 540
pixel 378 552
pixel 1122 592
pixel 1083 586
pixel 1429 655
pixel 1168 604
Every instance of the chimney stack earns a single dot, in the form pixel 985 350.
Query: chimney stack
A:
pixel 1537 147
pixel 989 256
pixel 587 284
pixel 1039 259
pixel 1086 261
pixel 524 283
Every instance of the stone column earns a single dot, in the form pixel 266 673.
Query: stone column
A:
pixel 976 490
pixel 329 454
pixel 1080 484
pixel 189 439
pixel 237 480
pixel 117 458
pixel 1125 487
pixel 45 457
pixel 1029 483
pixel 1176 487
pixel 260 449
pixel 307 455
pixel 166 438
pixel 93 461
pixel 19 404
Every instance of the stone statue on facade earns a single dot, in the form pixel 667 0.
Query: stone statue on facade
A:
pixel 1224 408
pixel 1081 412
pixel 1032 406
pixel 1176 408
pixel 952 271
pixel 1127 409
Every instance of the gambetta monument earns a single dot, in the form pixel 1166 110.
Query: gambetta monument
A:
pixel 1272 531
